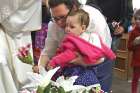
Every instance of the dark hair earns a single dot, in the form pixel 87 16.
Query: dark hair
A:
pixel 68 3
pixel 83 16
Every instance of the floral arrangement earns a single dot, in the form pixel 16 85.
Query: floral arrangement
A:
pixel 24 54
pixel 42 83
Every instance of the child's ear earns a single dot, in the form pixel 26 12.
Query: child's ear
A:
pixel 83 27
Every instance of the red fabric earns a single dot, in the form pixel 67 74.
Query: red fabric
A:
pixel 135 80
pixel 136 49
pixel 72 44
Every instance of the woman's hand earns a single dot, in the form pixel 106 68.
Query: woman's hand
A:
pixel 35 69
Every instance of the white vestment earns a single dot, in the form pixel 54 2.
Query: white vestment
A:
pixel 17 19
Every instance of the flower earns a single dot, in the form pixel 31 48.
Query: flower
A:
pixel 68 86
pixel 40 81
pixel 24 54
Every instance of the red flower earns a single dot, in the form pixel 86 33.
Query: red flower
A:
pixel 24 54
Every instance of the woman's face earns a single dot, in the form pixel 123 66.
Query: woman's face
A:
pixel 74 26
pixel 137 21
pixel 59 15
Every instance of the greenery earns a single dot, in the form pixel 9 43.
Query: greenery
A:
pixel 54 89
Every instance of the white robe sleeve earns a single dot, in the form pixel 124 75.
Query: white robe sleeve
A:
pixel 16 16
pixel 26 18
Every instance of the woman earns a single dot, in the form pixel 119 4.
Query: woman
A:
pixel 59 11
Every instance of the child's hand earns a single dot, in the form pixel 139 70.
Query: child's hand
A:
pixel 35 69
pixel 49 67
pixel 136 41
pixel 119 30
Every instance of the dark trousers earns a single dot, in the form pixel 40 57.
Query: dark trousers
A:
pixel 103 72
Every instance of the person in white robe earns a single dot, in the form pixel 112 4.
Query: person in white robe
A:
pixel 17 19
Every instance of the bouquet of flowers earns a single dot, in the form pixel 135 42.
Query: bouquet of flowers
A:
pixel 24 54
pixel 42 83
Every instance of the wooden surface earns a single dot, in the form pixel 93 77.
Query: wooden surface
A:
pixel 122 69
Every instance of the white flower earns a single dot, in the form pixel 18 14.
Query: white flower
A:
pixel 68 85
pixel 42 79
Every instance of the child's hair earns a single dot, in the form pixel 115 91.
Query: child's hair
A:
pixel 83 16
pixel 137 13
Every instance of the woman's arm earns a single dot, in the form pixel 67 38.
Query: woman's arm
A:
pixel 51 45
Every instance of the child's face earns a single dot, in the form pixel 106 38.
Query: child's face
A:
pixel 137 21
pixel 74 26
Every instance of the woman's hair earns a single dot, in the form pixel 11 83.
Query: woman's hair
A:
pixel 137 13
pixel 68 3
pixel 83 16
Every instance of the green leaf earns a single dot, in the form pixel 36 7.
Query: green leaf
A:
pixel 47 88
pixel 29 59
pixel 84 91
pixel 61 90
pixel 90 91
pixel 54 90
pixel 40 90
pixel 69 92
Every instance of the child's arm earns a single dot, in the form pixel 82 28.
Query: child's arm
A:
pixel 62 58
pixel 131 39
pixel 136 41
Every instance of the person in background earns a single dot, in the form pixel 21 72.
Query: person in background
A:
pixel 132 26
pixel 59 11
pixel 134 46
pixel 118 14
